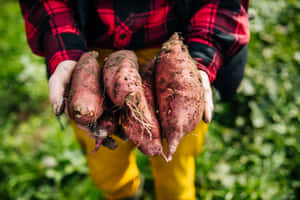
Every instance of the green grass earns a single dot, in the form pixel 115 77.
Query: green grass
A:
pixel 252 149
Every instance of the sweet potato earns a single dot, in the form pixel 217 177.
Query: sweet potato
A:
pixel 154 146
pixel 85 99
pixel 125 89
pixel 105 127
pixel 179 92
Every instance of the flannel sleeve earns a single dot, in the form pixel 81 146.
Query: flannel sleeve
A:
pixel 217 30
pixel 51 31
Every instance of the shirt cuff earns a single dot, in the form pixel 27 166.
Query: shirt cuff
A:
pixel 208 58
pixel 60 56
pixel 209 73
pixel 63 46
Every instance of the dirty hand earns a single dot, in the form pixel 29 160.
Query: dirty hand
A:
pixel 208 100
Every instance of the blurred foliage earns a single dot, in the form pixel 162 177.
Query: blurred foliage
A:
pixel 252 148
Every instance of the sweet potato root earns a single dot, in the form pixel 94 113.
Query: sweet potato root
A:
pixel 179 92
pixel 125 89
pixel 85 100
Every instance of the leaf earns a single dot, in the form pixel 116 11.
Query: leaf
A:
pixel 257 117
pixel 247 87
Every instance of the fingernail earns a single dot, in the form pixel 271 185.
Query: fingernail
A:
pixel 207 117
pixel 59 107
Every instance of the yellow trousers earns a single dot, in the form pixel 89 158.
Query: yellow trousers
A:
pixel 115 171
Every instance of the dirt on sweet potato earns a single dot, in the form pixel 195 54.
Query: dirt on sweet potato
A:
pixel 124 86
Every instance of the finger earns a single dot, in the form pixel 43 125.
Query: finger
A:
pixel 58 83
pixel 56 89
pixel 208 108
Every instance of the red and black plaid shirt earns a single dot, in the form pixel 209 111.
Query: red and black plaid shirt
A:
pixel 216 29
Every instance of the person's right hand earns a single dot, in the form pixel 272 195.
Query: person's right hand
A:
pixel 58 86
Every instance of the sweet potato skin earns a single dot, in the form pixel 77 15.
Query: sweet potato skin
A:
pixel 125 89
pixel 121 77
pixel 147 139
pixel 150 143
pixel 85 99
pixel 179 92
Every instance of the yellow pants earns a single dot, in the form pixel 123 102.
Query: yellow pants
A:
pixel 115 171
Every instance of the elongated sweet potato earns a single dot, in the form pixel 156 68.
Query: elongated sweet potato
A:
pixel 179 92
pixel 125 89
pixel 85 100
pixel 153 141
pixel 147 74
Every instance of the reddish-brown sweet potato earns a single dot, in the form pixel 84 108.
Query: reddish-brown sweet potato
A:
pixel 179 92
pixel 125 89
pixel 85 101
pixel 147 74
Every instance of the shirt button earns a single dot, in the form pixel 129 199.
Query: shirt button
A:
pixel 122 37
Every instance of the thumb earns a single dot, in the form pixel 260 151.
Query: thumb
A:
pixel 58 83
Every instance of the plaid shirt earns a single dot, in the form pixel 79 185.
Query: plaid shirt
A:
pixel 215 30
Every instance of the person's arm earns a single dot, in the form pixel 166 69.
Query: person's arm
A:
pixel 216 31
pixel 52 31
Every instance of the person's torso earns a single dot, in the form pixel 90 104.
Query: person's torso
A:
pixel 130 24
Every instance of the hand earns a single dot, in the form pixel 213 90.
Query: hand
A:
pixel 58 84
pixel 208 100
